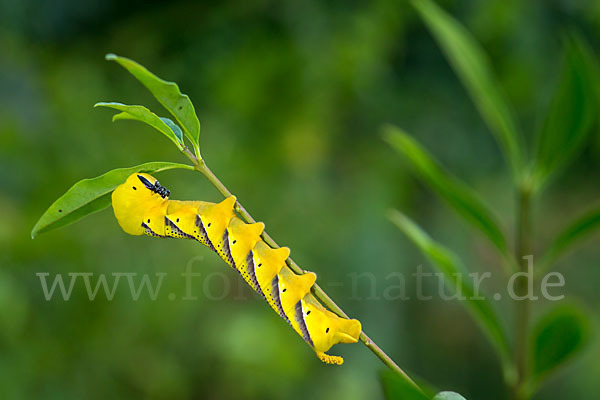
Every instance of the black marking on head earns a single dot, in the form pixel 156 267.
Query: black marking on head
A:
pixel 300 320
pixel 308 312
pixel 252 273
pixel 146 182
pixel 161 190
pixel 156 187
pixel 275 294
pixel 175 228
pixel 200 226
pixel 59 210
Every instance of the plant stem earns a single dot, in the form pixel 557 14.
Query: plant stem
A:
pixel 523 254
pixel 201 167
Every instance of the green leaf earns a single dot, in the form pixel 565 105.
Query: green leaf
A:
pixel 448 396
pixel 556 338
pixel 396 387
pixel 174 127
pixel 571 235
pixel 92 195
pixel 455 192
pixel 473 68
pixel 457 276
pixel 141 113
pixel 168 94
pixel 571 114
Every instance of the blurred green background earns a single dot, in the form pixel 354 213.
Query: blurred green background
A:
pixel 291 97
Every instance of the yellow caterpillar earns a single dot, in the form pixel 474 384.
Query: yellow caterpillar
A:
pixel 142 206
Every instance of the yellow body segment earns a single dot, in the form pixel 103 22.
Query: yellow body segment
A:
pixel 154 223
pixel 268 263
pixel 292 288
pixel 327 328
pixel 141 206
pixel 214 219
pixel 181 220
pixel 242 239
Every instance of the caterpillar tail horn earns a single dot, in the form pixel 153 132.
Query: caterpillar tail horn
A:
pixel 349 331
pixel 329 359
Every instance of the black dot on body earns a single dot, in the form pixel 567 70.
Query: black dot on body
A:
pixel 208 226
pixel 327 330
pixel 308 312
pixel 284 290
pixel 134 188
pixel 234 241
pixel 177 219
pixel 59 210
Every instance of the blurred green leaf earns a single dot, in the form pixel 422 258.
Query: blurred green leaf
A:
pixel 557 337
pixel 448 396
pixel 473 68
pixel 455 192
pixel 92 195
pixel 571 235
pixel 395 387
pixel 141 113
pixel 571 113
pixel 458 277
pixel 168 94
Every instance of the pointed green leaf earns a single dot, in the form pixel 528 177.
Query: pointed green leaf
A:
pixel 581 228
pixel 473 68
pixel 571 114
pixel 458 277
pixel 92 195
pixel 556 338
pixel 168 94
pixel 448 396
pixel 141 113
pixel 455 192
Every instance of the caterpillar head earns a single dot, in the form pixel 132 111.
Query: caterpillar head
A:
pixel 139 196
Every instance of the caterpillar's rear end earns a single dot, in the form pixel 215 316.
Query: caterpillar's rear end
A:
pixel 141 206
